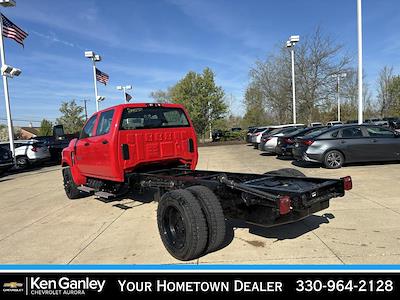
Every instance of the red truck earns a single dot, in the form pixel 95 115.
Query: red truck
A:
pixel 141 146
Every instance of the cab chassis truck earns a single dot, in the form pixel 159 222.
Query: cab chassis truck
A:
pixel 143 146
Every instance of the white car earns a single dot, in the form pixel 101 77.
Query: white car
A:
pixel 28 152
pixel 334 123
pixel 256 135
pixel 269 142
pixel 266 130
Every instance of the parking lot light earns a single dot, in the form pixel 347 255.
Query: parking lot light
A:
pixel 290 44
pixel 124 89
pixel 7 3
pixel 11 72
pixel 94 58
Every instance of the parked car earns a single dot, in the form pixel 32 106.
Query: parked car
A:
pixel 352 122
pixel 316 124
pixel 28 152
pixel 217 135
pixel 236 129
pixel 347 144
pixel 286 142
pixel 56 142
pixel 269 142
pixel 249 134
pixel 6 160
pixel 394 122
pixel 334 123
pixel 256 135
pixel 266 131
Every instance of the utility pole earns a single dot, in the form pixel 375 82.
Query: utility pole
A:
pixel 85 101
pixel 290 44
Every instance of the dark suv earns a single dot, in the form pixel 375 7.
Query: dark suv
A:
pixel 6 160
pixel 349 143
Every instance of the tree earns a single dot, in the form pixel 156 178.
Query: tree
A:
pixel 255 114
pixel 385 99
pixel 46 128
pixel 203 99
pixel 72 116
pixel 317 58
pixel 394 91
pixel 161 96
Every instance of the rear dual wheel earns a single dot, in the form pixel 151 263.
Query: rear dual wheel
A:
pixel 191 222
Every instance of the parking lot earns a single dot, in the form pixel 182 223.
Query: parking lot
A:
pixel 39 225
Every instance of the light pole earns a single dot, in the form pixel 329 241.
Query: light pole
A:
pixel 124 89
pixel 94 57
pixel 7 71
pixel 360 67
pixel 290 44
pixel 338 76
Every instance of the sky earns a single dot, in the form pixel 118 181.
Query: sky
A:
pixel 153 44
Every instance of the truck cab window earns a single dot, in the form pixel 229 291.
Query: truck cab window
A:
pixel 153 117
pixel 88 129
pixel 104 124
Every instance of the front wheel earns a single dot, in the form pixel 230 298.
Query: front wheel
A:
pixel 22 162
pixel 70 187
pixel 182 225
pixel 333 159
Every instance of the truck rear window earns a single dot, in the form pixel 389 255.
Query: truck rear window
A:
pixel 153 117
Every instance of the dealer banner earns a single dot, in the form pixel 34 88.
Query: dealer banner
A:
pixel 128 285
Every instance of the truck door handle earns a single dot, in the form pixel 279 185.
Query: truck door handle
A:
pixel 86 144
pixel 104 142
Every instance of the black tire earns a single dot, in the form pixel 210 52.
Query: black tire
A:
pixel 182 226
pixel 333 159
pixel 286 172
pixel 214 214
pixel 22 162
pixel 70 187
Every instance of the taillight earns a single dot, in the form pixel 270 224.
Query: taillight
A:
pixel 288 141
pixel 266 139
pixel 284 205
pixel 34 149
pixel 347 183
pixel 307 142
pixel 257 134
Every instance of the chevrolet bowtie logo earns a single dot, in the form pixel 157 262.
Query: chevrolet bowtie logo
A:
pixel 12 285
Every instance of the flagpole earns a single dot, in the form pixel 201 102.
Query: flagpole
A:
pixel 95 84
pixel 6 94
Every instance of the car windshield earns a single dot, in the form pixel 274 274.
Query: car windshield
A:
pixel 316 132
pixel 153 117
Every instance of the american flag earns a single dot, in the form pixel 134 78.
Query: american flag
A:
pixel 12 31
pixel 102 77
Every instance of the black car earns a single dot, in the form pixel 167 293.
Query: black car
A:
pixel 6 160
pixel 286 142
pixel 347 144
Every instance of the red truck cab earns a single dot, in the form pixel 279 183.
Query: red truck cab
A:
pixel 130 137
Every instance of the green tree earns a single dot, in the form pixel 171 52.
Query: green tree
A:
pixel 46 128
pixel 72 116
pixel 394 91
pixel 203 99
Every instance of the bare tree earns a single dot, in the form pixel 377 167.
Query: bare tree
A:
pixel 385 100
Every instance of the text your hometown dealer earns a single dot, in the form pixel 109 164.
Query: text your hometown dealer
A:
pixel 65 283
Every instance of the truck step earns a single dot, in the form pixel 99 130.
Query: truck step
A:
pixel 86 189
pixel 105 195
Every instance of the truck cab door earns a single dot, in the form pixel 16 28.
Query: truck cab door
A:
pixel 84 149
pixel 104 159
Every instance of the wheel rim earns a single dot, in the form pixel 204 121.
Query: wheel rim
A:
pixel 21 162
pixel 334 159
pixel 174 227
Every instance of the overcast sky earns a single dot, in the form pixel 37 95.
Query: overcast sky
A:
pixel 152 44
